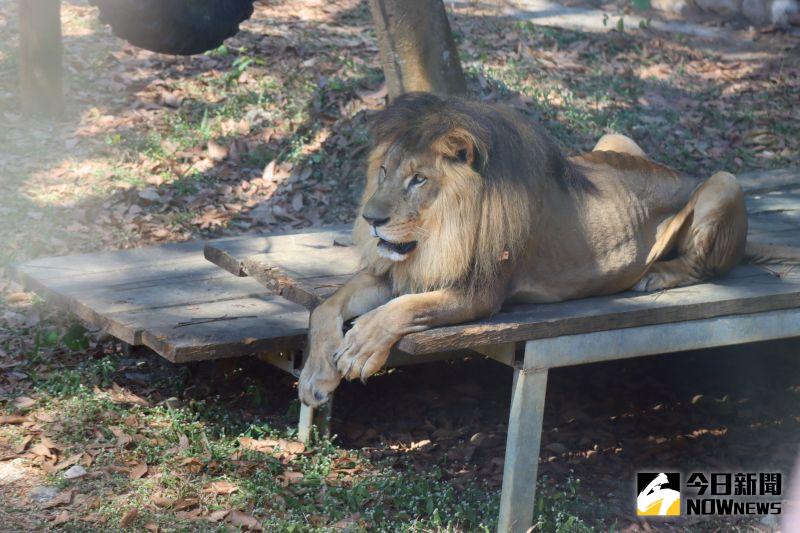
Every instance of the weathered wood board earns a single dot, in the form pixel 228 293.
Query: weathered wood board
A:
pixel 308 274
pixel 748 289
pixel 170 299
pixel 302 267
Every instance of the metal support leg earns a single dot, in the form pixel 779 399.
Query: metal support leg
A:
pixel 319 417
pixel 522 450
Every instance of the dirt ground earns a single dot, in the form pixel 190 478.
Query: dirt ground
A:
pixel 269 133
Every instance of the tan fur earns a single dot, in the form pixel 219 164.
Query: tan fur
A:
pixel 503 216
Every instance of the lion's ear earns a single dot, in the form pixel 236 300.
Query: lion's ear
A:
pixel 459 145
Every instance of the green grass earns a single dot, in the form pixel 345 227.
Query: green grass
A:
pixel 337 484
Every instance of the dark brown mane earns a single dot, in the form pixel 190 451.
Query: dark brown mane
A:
pixel 517 163
pixel 508 147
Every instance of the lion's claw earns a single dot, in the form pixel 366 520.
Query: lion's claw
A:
pixel 365 348
pixel 316 385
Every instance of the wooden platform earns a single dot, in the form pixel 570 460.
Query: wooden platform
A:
pixel 309 267
pixel 170 299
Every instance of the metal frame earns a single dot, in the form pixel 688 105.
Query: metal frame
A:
pixel 530 383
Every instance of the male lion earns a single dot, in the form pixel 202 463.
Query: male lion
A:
pixel 468 206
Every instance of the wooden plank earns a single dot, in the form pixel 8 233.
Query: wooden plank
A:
pixel 768 223
pixel 230 253
pixel 305 268
pixel 121 261
pixel 309 292
pixel 770 179
pixel 773 202
pixel 303 277
pixel 213 330
pixel 103 307
pixel 90 296
pixel 780 238
pixel 76 283
pixel 750 290
pixel 140 296
pixel 154 295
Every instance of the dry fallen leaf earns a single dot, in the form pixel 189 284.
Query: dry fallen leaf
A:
pixel 244 520
pixel 216 516
pixel 139 471
pixel 129 517
pixel 152 526
pixel 123 439
pixel 42 451
pixel 193 464
pixel 24 444
pixel 12 419
pixel 161 501
pixel 50 444
pixel 185 503
pixel 45 417
pixel 62 498
pixel 188 515
pixel 347 522
pixel 269 445
pixel 122 395
pixel 17 297
pixel 62 517
pixel 69 461
pixel 171 100
pixel 216 151
pixel 290 477
pixel 221 487
pixel 24 402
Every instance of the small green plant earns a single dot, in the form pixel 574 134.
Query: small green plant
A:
pixel 75 338
pixel 239 66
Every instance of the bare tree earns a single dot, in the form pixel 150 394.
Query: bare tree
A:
pixel 40 53
pixel 417 48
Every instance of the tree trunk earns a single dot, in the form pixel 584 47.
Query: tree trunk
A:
pixel 40 52
pixel 417 49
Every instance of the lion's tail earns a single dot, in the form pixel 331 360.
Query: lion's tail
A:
pixel 764 254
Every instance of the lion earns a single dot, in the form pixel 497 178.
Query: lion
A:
pixel 467 206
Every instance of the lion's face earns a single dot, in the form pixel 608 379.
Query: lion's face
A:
pixel 408 189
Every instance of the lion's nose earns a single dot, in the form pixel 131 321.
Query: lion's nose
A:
pixel 376 221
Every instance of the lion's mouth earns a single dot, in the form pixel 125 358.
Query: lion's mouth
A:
pixel 401 248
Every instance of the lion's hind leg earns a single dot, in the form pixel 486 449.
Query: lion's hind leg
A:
pixel 710 242
pixel 614 142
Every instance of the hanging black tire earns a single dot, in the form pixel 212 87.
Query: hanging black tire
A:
pixel 181 27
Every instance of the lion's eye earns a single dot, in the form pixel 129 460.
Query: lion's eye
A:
pixel 382 173
pixel 417 180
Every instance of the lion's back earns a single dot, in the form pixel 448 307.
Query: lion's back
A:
pixel 629 179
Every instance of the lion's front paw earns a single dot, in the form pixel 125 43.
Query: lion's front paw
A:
pixel 365 347
pixel 319 377
pixel 318 380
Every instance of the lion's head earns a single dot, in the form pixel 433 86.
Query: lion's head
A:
pixel 451 192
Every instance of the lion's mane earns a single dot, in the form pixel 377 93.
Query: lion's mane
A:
pixel 483 217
